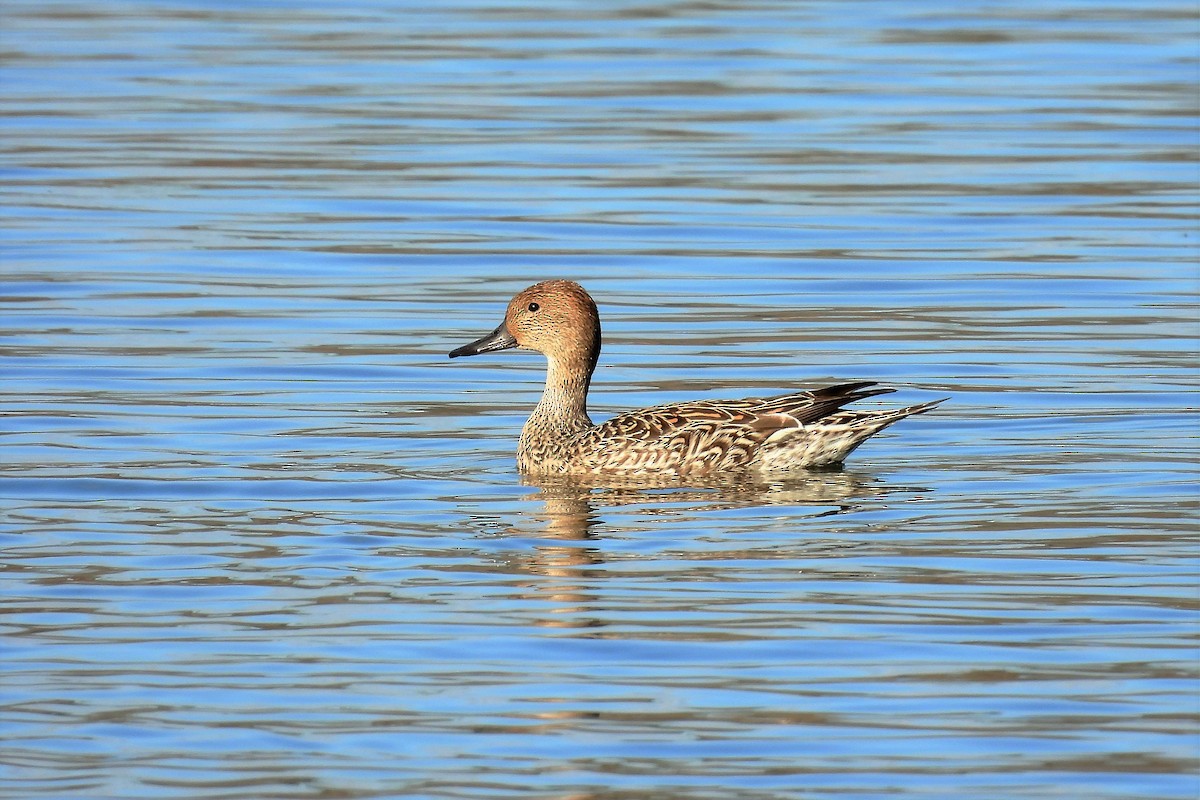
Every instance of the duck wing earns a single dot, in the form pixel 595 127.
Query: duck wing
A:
pixel 708 435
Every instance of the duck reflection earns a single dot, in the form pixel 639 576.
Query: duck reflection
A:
pixel 573 510
pixel 571 503
pixel 567 515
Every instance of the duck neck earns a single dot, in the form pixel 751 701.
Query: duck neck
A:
pixel 563 407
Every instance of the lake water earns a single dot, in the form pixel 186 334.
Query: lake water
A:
pixel 261 538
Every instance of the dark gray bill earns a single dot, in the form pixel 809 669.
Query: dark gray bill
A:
pixel 499 339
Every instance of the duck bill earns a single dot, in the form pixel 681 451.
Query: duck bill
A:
pixel 499 339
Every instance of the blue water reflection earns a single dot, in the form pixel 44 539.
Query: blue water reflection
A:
pixel 262 539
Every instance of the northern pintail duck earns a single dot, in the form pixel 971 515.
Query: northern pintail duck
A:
pixel 801 430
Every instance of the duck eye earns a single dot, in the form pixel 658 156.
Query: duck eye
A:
pixel 534 306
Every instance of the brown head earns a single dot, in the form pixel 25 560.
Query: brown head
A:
pixel 557 318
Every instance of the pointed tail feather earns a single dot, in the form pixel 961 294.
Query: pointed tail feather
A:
pixel 828 441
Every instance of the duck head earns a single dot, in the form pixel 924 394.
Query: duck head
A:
pixel 557 318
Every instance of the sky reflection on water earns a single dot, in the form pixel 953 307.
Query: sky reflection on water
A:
pixel 262 539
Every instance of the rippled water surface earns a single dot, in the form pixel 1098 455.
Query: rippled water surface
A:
pixel 262 539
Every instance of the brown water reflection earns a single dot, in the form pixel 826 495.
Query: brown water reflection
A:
pixel 572 504
pixel 572 507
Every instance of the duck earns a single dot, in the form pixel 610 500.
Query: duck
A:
pixel 802 430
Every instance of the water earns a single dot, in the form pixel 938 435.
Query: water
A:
pixel 262 539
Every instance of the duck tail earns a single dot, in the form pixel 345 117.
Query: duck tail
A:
pixel 828 441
